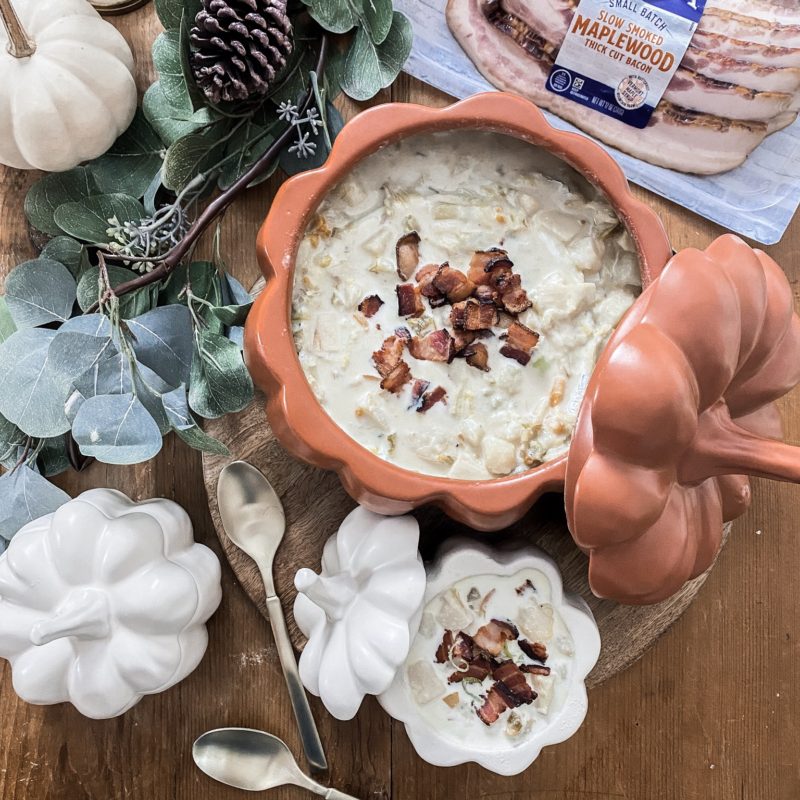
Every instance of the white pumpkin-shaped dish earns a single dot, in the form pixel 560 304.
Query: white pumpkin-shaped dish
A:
pixel 362 611
pixel 497 669
pixel 70 99
pixel 104 601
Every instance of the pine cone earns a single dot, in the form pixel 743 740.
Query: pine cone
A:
pixel 239 47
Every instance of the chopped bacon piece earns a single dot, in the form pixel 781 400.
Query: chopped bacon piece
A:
pixel 455 645
pixel 477 356
pixel 409 303
pixel 534 669
pixel 470 315
pixel 513 679
pixel 436 346
pixel 407 254
pixel 485 294
pixel 484 261
pixel 403 333
pixel 500 276
pixel 426 287
pixel 520 341
pixel 397 378
pixel 418 393
pixel 537 651
pixel 492 636
pixel 453 284
pixel 493 706
pixel 462 340
pixel 513 297
pixel 389 356
pixel 369 305
pixel 430 399
pixel 479 668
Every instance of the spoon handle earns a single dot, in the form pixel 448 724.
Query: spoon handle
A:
pixel 309 735
pixel 335 794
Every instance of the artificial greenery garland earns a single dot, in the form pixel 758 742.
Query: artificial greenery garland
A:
pixel 115 336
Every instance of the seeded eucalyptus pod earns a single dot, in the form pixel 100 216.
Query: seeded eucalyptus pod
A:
pixel 239 47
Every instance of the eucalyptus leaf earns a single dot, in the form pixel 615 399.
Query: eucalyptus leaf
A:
pixel 370 67
pixel 167 59
pixel 38 367
pixel 169 12
pixel 69 252
pixel 90 324
pixel 238 303
pixel 236 335
pixel 11 438
pixel 25 496
pixel 377 19
pixel 7 326
pixel 53 458
pixel 172 123
pixel 118 374
pixel 39 292
pixel 52 191
pixel 185 426
pixel 130 305
pixel 90 220
pixel 162 340
pixel 244 148
pixel 220 383
pixel 191 156
pixel 292 80
pixel 116 429
pixel 129 166
pixel 336 16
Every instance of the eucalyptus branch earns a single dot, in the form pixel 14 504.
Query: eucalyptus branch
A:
pixel 176 255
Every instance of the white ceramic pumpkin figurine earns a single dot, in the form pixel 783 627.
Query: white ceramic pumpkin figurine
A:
pixel 105 601
pixel 66 84
pixel 362 611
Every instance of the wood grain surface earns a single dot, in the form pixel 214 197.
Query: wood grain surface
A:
pixel 710 713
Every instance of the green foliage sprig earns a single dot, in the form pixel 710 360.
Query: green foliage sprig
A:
pixel 115 336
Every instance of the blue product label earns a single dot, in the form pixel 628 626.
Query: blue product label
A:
pixel 619 56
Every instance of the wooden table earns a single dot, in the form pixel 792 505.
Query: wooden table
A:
pixel 711 712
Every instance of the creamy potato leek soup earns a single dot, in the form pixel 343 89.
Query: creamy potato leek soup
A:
pixel 451 297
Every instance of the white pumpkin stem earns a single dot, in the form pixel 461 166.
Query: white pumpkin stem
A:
pixel 333 595
pixel 20 45
pixel 84 615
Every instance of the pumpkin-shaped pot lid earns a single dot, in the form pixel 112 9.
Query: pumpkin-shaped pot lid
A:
pixel 679 408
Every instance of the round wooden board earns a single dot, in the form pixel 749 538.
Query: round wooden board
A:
pixel 315 505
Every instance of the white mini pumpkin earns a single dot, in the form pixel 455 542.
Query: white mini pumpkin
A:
pixel 362 611
pixel 105 601
pixel 73 96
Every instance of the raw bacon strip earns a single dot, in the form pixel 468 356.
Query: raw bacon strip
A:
pixel 369 306
pixel 492 636
pixel 520 341
pixel 470 315
pixel 407 255
pixel 739 70
pixel 675 137
pixel 513 679
pixel 409 303
pixel 430 399
pixel 770 56
pixel 477 356
pixel 436 346
pixel 453 284
pixel 537 651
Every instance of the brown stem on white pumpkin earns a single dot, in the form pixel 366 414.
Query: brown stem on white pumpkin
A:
pixel 20 45
pixel 721 447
